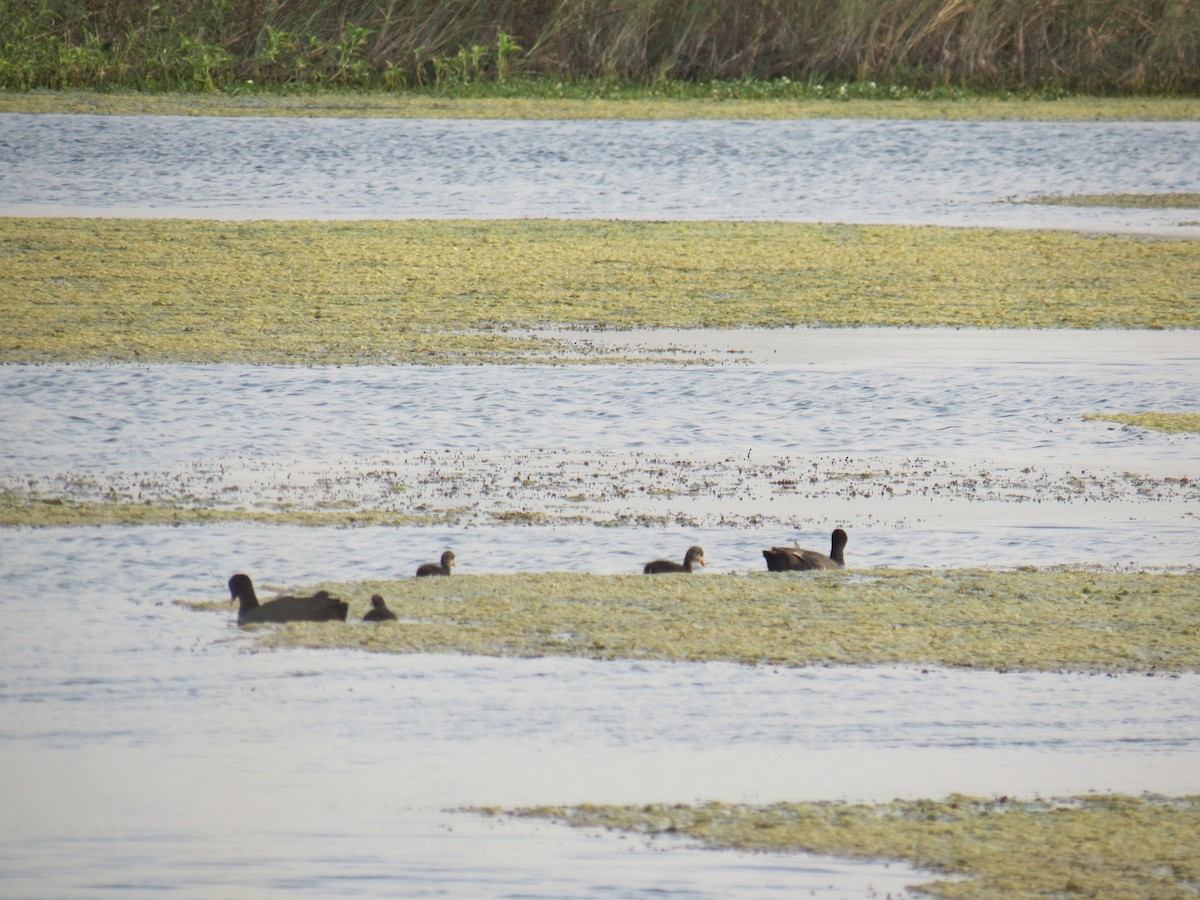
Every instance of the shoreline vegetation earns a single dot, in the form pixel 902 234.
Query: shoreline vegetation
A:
pixel 382 292
pixel 1026 619
pixel 534 102
pixel 1099 845
pixel 784 48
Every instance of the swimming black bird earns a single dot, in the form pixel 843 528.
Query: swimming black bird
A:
pixel 442 568
pixel 791 559
pixel 662 566
pixel 320 607
pixel 379 611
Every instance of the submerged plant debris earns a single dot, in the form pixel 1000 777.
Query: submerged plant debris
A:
pixel 440 292
pixel 1091 846
pixel 1155 421
pixel 605 488
pixel 1027 619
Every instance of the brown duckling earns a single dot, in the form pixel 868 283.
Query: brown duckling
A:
pixel 379 611
pixel 442 568
pixel 661 566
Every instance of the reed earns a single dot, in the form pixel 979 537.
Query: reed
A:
pixel 812 46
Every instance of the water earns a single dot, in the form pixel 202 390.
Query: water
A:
pixel 942 173
pixel 147 750
pixel 1018 408
pixel 145 747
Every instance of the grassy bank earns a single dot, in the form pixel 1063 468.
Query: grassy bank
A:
pixel 785 46
pixel 1036 620
pixel 601 103
pixel 1094 846
pixel 449 291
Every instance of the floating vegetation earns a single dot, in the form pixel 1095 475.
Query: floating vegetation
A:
pixel 1027 619
pixel 1092 846
pixel 380 292
pixel 1156 421
pixel 579 103
pixel 1179 200
pixel 548 487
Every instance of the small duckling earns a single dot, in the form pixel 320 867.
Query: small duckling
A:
pixel 442 568
pixel 662 566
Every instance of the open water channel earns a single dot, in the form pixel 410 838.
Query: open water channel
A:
pixel 146 748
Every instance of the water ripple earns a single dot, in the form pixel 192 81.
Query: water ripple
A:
pixel 943 173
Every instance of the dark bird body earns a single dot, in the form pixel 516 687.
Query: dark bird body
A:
pixel 320 607
pixel 793 559
pixel 379 611
pixel 442 568
pixel 663 566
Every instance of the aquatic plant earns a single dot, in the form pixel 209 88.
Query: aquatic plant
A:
pixel 1096 846
pixel 380 292
pixel 1026 619
pixel 1178 200
pixel 1156 421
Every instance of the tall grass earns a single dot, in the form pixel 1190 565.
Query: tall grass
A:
pixel 1099 46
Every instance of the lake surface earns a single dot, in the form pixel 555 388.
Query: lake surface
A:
pixel 148 749
pixel 936 173
pixel 145 747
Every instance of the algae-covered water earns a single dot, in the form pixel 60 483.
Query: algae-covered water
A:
pixel 145 746
pixel 133 723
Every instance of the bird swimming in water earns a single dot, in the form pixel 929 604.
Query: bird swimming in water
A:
pixel 793 559
pixel 442 568
pixel 662 566
pixel 320 607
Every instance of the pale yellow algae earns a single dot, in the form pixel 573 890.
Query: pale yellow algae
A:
pixel 378 292
pixel 419 105
pixel 1171 422
pixel 1177 200
pixel 1038 620
pixel 1095 846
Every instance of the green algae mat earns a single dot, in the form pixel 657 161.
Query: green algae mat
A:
pixel 437 292
pixel 418 105
pixel 1093 846
pixel 1172 423
pixel 1032 620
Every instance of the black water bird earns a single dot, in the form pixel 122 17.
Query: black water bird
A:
pixel 662 566
pixel 442 568
pixel 320 607
pixel 792 559
pixel 379 611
